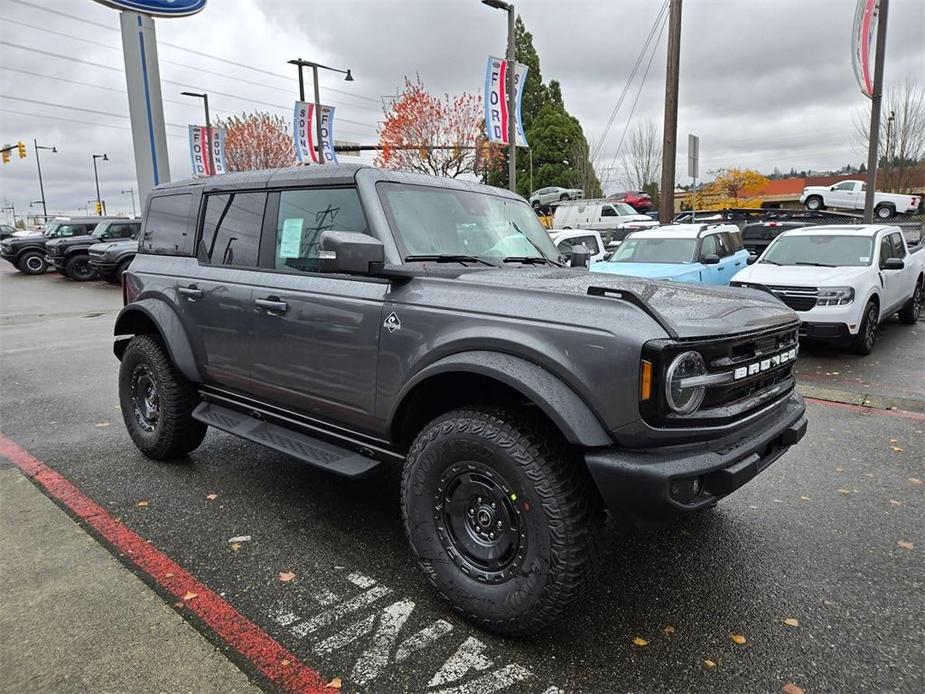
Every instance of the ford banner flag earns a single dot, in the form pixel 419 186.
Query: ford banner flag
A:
pixel 199 153
pixel 303 132
pixel 327 134
pixel 496 111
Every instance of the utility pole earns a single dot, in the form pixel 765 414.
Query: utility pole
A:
pixel 670 131
pixel 38 163
pixel 875 98
pixel 96 177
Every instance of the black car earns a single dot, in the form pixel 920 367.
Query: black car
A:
pixel 757 236
pixel 6 231
pixel 70 256
pixel 111 259
pixel 27 253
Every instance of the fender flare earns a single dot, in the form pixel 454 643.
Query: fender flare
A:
pixel 556 399
pixel 169 328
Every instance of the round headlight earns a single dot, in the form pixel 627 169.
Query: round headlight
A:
pixel 685 400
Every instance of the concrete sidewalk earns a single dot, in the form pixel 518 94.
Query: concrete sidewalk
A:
pixel 73 619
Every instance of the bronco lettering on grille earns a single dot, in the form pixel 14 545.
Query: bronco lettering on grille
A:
pixel 765 364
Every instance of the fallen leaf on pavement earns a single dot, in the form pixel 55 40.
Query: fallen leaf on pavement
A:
pixel 894 441
pixel 791 688
pixel 896 449
pixel 142 503
pixel 844 491
pixel 638 641
pixel 284 662
pixel 708 662
pixel 791 622
pixel 335 683
pixel 286 576
pixel 804 498
pixel 189 596
pixel 828 603
pixel 211 497
pixel 102 424
pixel 839 469
pixel 169 574
pixel 905 544
pixel 240 538
pixel 893 502
pixel 669 630
pixel 738 638
pixel 235 546
pixel 915 480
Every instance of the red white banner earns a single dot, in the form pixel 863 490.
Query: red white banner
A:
pixel 862 41
pixel 199 152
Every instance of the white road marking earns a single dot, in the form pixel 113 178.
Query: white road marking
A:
pixel 467 657
pixel 499 679
pixel 554 690
pixel 361 581
pixel 325 597
pixel 341 610
pixel 285 618
pixel 421 640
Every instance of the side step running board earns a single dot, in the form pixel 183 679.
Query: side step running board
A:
pixel 305 448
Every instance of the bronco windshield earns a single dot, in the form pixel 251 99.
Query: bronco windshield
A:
pixel 823 250
pixel 654 250
pixel 432 221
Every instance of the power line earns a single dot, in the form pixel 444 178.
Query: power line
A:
pixel 178 47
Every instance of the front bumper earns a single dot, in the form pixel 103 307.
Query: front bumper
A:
pixel 825 331
pixel 653 487
pixel 103 266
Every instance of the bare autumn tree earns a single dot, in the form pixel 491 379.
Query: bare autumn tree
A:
pixel 901 146
pixel 641 165
pixel 256 141
pixel 442 136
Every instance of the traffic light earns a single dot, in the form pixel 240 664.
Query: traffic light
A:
pixel 21 148
pixel 6 156
pixel 99 209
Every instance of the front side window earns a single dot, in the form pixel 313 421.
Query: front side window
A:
pixel 430 220
pixel 899 250
pixel 623 209
pixel 608 211
pixel 304 215
pixel 845 186
pixel 654 250
pixel 821 250
pixel 709 246
pixel 231 228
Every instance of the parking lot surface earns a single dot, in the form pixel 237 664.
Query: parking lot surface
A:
pixel 809 576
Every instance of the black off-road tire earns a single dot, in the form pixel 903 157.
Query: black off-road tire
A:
pixel 863 342
pixel 174 432
pixel 32 263
pixel 78 268
pixel 544 490
pixel 910 311
pixel 116 277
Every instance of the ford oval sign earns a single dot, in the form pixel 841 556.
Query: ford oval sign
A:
pixel 157 8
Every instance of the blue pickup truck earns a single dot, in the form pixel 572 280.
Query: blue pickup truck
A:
pixel 704 253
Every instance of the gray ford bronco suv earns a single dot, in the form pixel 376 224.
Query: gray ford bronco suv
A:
pixel 352 317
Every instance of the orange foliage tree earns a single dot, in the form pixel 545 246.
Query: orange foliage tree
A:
pixel 257 141
pixel 433 135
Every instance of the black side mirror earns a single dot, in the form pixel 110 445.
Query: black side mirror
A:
pixel 711 259
pixel 350 252
pixel 752 258
pixel 581 256
pixel 893 264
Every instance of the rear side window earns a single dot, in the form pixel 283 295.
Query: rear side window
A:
pixel 167 229
pixel 304 215
pixel 231 228
pixel 734 241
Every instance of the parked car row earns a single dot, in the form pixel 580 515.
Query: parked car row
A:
pixel 81 248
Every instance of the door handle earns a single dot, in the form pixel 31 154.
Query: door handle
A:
pixel 192 292
pixel 272 304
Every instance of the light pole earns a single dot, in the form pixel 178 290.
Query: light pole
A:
pixel 54 150
pixel 875 98
pixel 210 169
pixel 96 177
pixel 314 66
pixel 132 192
pixel 511 96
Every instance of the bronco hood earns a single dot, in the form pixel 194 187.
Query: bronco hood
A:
pixel 688 310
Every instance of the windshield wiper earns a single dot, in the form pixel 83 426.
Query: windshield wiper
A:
pixel 816 264
pixel 532 243
pixel 448 258
pixel 530 260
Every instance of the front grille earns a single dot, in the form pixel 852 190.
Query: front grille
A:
pixel 797 298
pixel 756 357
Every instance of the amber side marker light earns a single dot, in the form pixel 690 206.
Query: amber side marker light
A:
pixel 645 380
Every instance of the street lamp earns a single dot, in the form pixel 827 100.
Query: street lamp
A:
pixel 131 191
pixel 54 150
pixel 511 100
pixel 314 66
pixel 205 101
pixel 96 177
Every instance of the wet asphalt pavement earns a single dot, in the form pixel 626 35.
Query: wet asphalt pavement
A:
pixel 813 539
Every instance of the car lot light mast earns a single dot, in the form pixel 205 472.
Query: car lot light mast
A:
pixel 298 62
pixel 511 96
pixel 96 177
pixel 205 100
pixel 38 164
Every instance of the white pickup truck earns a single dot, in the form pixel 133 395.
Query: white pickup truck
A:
pixel 849 195
pixel 843 281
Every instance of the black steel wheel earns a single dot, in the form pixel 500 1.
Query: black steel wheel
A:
pixel 146 403
pixel 502 517
pixel 79 269
pixel 32 263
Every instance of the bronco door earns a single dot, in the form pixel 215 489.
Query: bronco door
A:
pixel 316 334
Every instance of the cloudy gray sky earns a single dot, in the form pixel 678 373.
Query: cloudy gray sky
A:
pixel 764 83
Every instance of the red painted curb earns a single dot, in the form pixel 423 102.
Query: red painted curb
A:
pixel 860 409
pixel 274 661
